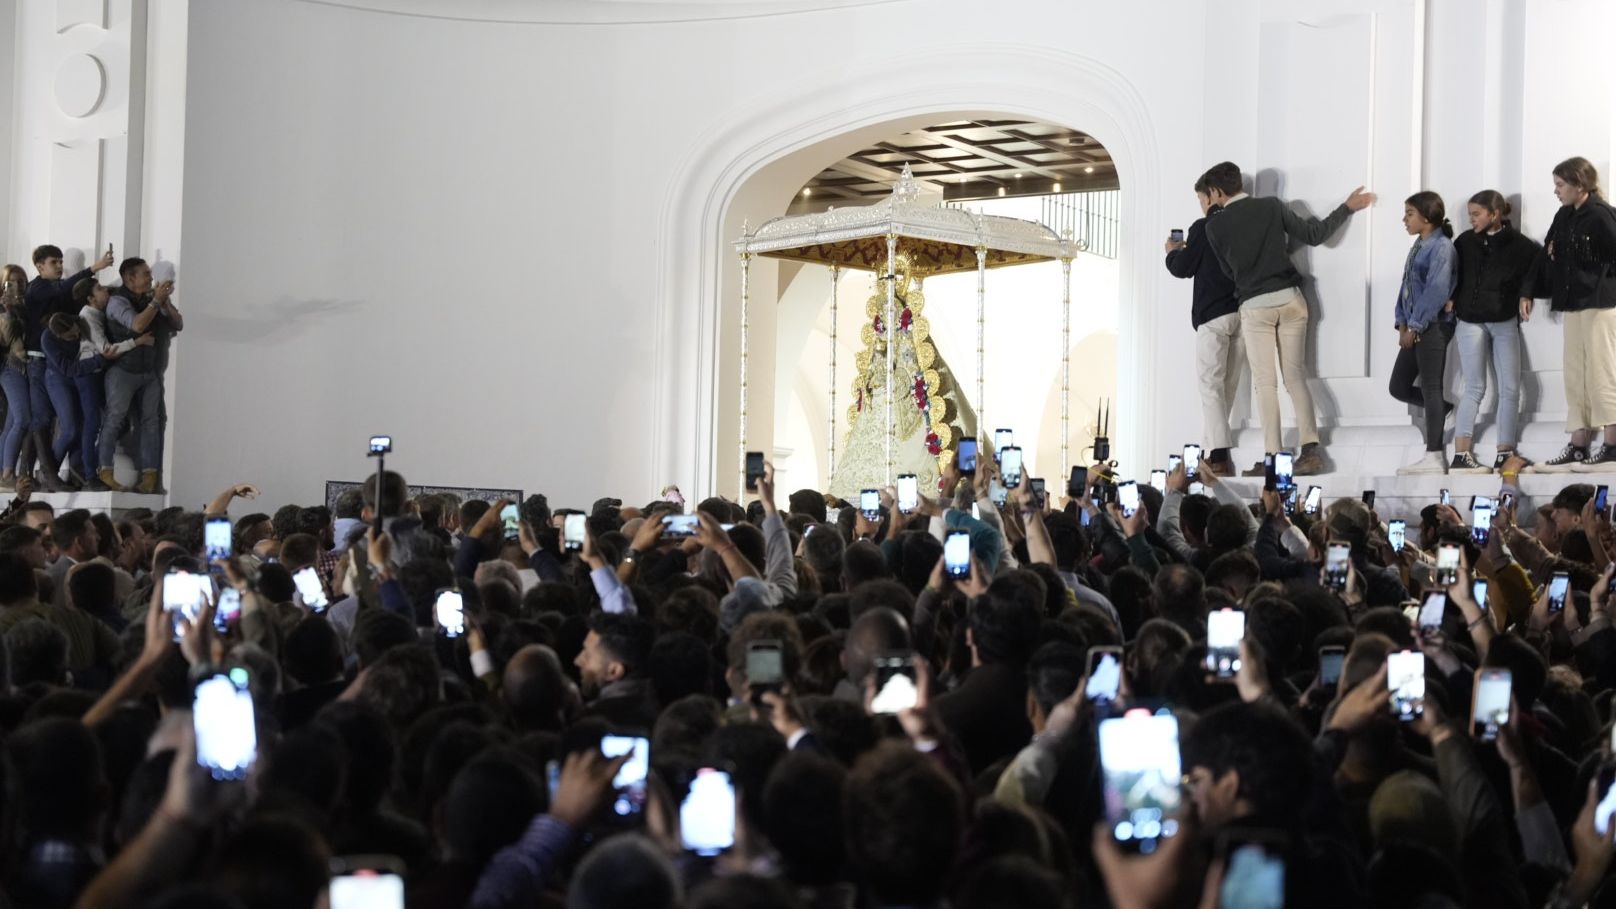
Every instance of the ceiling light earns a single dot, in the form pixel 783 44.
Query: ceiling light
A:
pixel 807 190
pixel 1001 190
pixel 1057 187
pixel 1018 176
pixel 1088 170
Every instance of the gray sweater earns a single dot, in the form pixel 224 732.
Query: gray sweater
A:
pixel 1250 239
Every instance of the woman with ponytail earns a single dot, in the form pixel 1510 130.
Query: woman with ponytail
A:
pixel 1424 326
pixel 1577 272
pixel 1491 300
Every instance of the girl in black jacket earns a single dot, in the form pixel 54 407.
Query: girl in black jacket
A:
pixel 1577 272
pixel 1491 299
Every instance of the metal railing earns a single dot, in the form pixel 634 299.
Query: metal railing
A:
pixel 1095 218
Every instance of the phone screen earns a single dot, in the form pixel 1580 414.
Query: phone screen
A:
pixel 630 779
pixel 309 589
pixel 957 554
pixel 184 595
pixel 229 609
pixel 1315 498
pixel 1559 586
pixel 1076 483
pixel 512 522
pixel 908 493
pixel 450 612
pixel 1105 674
pixel 381 444
pixel 1128 498
pixel 764 664
pixel 870 503
pixel 573 528
pixel 1446 498
pixel 226 732
pixel 680 525
pixel 1369 498
pixel 1253 875
pixel 707 815
pixel 1224 630
pixel 1192 460
pixel 1010 464
pixel 1002 439
pixel 1481 523
pixel 1174 462
pixel 1405 676
pixel 1036 486
pixel 1142 772
pixel 1447 564
pixel 1176 235
pixel 895 687
pixel 1397 534
pixel 1284 470
pixel 754 469
pixel 1607 800
pixel 1490 710
pixel 1158 479
pixel 967 455
pixel 1197 489
pixel 367 890
pixel 1331 659
pixel 1601 499
pixel 1436 603
pixel 1478 592
pixel 217 539
pixel 997 494
pixel 1337 561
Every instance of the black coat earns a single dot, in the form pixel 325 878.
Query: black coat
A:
pixel 1581 274
pixel 1214 291
pixel 1495 271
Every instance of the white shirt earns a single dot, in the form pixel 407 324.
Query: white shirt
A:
pixel 97 341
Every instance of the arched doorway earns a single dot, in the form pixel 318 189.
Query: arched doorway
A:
pixel 754 166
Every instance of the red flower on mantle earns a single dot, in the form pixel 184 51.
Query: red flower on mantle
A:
pixel 906 319
pixel 934 444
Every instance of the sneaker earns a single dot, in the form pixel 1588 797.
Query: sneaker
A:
pixel 1503 457
pixel 1431 462
pixel 1564 462
pixel 1465 462
pixel 1602 461
pixel 1310 462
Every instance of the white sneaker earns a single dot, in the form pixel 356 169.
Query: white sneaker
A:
pixel 1431 462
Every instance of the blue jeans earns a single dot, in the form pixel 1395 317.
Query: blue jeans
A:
pixel 141 392
pixel 14 381
pixel 64 400
pixel 1473 340
pixel 39 402
pixel 90 406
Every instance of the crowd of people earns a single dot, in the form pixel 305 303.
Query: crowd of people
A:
pixel 807 703
pixel 83 371
pixel 1476 290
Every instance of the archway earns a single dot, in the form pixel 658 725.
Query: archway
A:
pixel 753 166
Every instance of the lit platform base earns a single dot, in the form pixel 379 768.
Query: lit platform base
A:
pixel 113 503
pixel 1403 497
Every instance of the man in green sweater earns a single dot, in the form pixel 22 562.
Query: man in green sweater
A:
pixel 1250 239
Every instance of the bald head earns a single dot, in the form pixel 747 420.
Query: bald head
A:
pixel 875 632
pixel 535 689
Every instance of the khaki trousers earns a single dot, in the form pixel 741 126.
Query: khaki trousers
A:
pixel 1279 331
pixel 1590 368
pixel 1217 359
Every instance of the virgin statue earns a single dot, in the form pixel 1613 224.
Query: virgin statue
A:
pixel 930 414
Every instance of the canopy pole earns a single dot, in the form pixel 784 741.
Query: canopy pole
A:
pixel 889 330
pixel 746 299
pixel 830 438
pixel 1066 364
pixel 981 339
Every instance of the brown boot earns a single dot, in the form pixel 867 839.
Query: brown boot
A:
pixel 1311 461
pixel 110 479
pixel 49 470
pixel 150 483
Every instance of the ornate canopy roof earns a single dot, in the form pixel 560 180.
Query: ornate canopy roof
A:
pixel 936 240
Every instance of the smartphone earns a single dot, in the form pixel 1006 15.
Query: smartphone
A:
pixel 870 504
pixel 1198 489
pixel 1174 462
pixel 1405 676
pixel 1369 499
pixel 908 493
pixel 1105 675
pixel 450 611
pixel 1158 479
pixel 1192 460
pixel 1253 869
pixel 1331 659
pixel 1002 439
pixel 380 445
pixel 997 494
pixel 367 882
pixel 1269 481
pixel 707 815
pixel 511 521
pixel 1314 500
pixel 1607 799
pixel 217 538
pixel 184 596
pixel 630 780
pixel 754 470
pixel 1291 496
pixel 1077 482
pixel 1601 499
pixel 765 665
pixel 1337 562
pixel 1284 471
pixel 1036 485
pixel 680 525
pixel 1435 606
pixel 1142 777
pixel 1507 500
pixel 310 590
pixel 1128 498
pixel 1176 235
pixel 1446 497
pixel 1490 703
pixel 1447 565
pixel 1224 630
pixel 1478 592
pixel 1559 587
pixel 957 554
pixel 226 730
pixel 1397 535
pixel 573 528
pixel 229 609
pixel 1010 466
pixel 1481 521
pixel 895 687
pixel 966 456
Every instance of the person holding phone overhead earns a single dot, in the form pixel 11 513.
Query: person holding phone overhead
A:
pixel 1250 238
pixel 1215 317
pixel 49 293
pixel 1424 325
pixel 1490 300
pixel 134 387
pixel 1577 272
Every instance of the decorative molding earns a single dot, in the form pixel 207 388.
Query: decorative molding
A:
pixel 74 13
pixel 595 12
pixel 81 83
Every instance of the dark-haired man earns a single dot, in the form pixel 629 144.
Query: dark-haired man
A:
pixel 77 540
pixel 135 380
pixel 1251 239
pixel 611 669
pixel 1215 318
pixel 49 293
